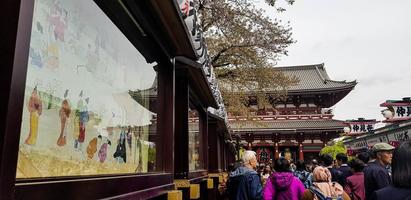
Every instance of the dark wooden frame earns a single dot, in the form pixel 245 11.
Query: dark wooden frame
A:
pixel 15 42
pixel 17 18
pixel 184 97
pixel 164 40
pixel 214 147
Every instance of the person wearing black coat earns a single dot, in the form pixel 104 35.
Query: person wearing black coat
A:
pixel 376 175
pixel 401 176
pixel 342 160
pixel 336 175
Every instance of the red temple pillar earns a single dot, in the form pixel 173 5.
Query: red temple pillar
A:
pixel 300 152
pixel 276 154
pixel 250 140
pixel 324 139
pixel 300 139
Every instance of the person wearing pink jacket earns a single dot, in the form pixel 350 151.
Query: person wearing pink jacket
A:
pixel 283 185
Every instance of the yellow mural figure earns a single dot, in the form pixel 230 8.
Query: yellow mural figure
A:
pixel 35 109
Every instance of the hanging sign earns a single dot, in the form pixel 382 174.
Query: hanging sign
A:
pixel 357 127
pixel 357 144
pixel 400 136
pixel 263 155
pixel 397 110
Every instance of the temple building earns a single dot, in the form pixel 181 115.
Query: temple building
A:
pixel 109 100
pixel 300 124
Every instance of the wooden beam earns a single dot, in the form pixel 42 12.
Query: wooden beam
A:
pixel 181 162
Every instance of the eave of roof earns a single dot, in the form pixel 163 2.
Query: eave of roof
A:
pixel 314 78
pixel 286 125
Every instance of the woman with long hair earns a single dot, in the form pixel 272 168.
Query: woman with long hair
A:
pixel 266 174
pixel 355 183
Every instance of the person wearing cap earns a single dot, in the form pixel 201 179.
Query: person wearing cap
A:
pixel 376 175
pixel 401 175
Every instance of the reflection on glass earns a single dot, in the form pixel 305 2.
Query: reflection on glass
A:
pixel 87 109
pixel 193 140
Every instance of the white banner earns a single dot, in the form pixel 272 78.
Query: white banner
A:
pixel 402 111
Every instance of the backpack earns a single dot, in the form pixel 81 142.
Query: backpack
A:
pixel 321 196
pixel 302 175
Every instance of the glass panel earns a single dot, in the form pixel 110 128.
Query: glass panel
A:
pixel 88 104
pixel 194 140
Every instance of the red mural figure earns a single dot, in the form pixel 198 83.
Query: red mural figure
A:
pixel 64 113
pixel 81 118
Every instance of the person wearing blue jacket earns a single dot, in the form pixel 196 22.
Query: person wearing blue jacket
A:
pixel 244 182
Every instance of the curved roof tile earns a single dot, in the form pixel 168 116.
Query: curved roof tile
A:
pixel 286 124
pixel 313 77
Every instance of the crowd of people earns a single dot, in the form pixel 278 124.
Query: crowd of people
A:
pixel 383 173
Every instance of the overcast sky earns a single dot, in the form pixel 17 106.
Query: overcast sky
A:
pixel 368 41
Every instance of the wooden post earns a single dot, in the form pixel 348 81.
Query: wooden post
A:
pixel 181 165
pixel 214 152
pixel 204 139
pixel 165 119
pixel 276 139
pixel 16 20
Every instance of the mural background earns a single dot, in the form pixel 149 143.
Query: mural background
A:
pixel 80 71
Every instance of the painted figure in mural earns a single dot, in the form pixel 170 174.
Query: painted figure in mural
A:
pixel 92 59
pixel 36 59
pixel 58 20
pixel 102 153
pixel 37 46
pixel 81 120
pixel 52 56
pixel 129 139
pixel 64 113
pixel 92 147
pixel 56 27
pixel 84 116
pixel 120 154
pixel 35 109
pixel 139 149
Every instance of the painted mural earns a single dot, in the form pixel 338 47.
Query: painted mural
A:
pixel 79 117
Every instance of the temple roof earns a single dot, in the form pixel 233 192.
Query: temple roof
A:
pixel 286 125
pixel 313 78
